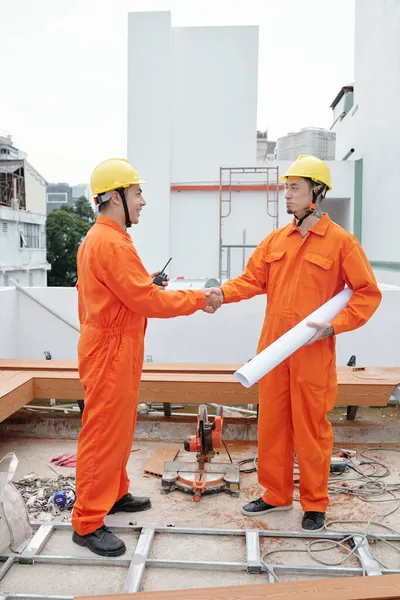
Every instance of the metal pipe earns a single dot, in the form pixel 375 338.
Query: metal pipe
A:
pixel 253 553
pixel 194 564
pixel 134 579
pixel 50 310
pixel 349 153
pixel 244 250
pixel 234 409
pixel 157 413
pixel 367 559
pixel 228 264
pixel 273 533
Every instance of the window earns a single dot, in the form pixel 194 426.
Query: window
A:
pixel 4 227
pixel 30 236
pixel 57 197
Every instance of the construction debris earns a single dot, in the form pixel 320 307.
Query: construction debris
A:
pixel 47 497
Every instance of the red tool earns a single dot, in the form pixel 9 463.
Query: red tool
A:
pixel 208 436
pixel 203 478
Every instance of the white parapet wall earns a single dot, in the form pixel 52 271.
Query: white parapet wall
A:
pixel 230 336
pixel 9 329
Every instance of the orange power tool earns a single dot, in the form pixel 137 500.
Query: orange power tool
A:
pixel 203 477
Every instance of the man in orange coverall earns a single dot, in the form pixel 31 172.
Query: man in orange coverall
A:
pixel 115 297
pixel 300 267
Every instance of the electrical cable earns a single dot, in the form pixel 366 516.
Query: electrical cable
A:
pixel 367 488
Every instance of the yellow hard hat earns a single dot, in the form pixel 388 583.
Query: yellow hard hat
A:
pixel 112 174
pixel 311 167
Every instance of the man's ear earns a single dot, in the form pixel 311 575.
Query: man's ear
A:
pixel 115 197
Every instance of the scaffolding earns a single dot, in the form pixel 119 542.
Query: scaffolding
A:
pixel 265 179
pixel 12 184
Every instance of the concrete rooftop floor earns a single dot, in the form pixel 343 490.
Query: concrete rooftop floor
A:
pixel 178 509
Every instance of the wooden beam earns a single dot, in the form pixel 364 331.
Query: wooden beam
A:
pixel 383 587
pixel 15 392
pixel 366 376
pixel 148 367
pixel 371 387
pixel 197 388
pixel 17 364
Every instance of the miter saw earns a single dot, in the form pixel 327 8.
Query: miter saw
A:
pixel 204 477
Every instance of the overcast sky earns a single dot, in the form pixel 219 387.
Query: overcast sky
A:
pixel 63 66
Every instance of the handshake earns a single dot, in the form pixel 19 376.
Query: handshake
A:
pixel 215 298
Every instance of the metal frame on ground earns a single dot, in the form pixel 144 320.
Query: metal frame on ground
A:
pixel 141 558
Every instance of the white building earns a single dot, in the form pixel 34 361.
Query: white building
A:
pixel 62 194
pixel 309 140
pixel 189 124
pixel 22 220
pixel 372 129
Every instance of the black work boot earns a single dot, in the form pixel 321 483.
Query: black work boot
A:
pixel 259 507
pixel 313 521
pixel 101 541
pixel 129 503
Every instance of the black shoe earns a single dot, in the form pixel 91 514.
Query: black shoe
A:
pixel 129 503
pixel 259 507
pixel 313 521
pixel 101 541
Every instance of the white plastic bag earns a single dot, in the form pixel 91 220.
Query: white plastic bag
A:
pixel 15 528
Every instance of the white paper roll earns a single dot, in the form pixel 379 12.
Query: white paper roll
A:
pixel 291 341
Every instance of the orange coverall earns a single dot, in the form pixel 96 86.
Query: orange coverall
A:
pixel 299 275
pixel 115 296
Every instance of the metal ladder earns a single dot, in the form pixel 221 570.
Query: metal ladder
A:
pixel 252 562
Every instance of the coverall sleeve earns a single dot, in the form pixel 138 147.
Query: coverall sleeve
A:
pixel 252 282
pixel 127 278
pixel 358 274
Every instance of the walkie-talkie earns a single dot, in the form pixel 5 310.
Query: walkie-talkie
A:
pixel 161 277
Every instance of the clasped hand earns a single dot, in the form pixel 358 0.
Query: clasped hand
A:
pixel 215 298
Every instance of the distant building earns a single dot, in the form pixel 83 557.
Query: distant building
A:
pixel 22 219
pixel 309 140
pixel 63 194
pixel 265 147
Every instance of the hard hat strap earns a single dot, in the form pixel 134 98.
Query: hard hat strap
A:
pixel 121 192
pixel 318 195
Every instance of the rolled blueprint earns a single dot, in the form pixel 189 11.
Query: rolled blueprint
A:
pixel 291 341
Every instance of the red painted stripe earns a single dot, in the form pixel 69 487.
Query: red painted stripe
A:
pixel 225 188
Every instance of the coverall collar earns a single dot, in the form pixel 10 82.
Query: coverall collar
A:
pixel 319 228
pixel 106 221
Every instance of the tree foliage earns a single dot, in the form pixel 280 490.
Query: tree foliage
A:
pixel 65 229
pixel 82 208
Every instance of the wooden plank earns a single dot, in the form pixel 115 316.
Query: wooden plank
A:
pixel 148 367
pixel 58 385
pixel 371 375
pixel 38 365
pixel 15 392
pixel 346 375
pixel 371 387
pixel 6 375
pixel 155 466
pixel 384 587
pixel 190 388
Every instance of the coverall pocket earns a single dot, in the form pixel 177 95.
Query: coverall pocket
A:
pixel 90 345
pixel 274 268
pixel 317 271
